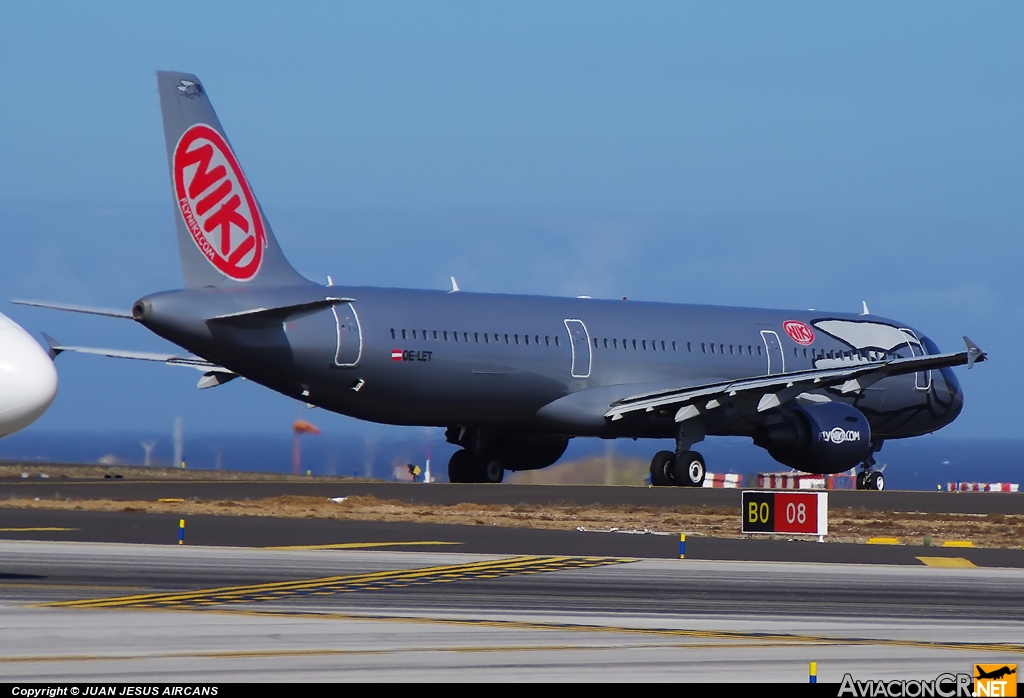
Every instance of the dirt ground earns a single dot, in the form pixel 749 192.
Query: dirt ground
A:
pixel 845 525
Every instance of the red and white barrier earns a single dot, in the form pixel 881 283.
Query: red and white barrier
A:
pixel 982 487
pixel 730 480
pixel 789 481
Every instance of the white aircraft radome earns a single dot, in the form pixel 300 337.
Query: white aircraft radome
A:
pixel 28 379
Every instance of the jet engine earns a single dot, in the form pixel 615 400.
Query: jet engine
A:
pixel 528 451
pixel 822 438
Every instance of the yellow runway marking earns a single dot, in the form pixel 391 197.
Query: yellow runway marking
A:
pixel 357 582
pixel 957 562
pixel 958 544
pixel 36 528
pixel 348 546
pixel 884 541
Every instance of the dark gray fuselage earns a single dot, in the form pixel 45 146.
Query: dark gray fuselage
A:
pixel 529 363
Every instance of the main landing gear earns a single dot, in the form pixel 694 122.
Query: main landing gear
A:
pixel 463 467
pixel 686 469
pixel 869 478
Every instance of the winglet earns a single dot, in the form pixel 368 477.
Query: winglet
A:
pixel 53 347
pixel 974 353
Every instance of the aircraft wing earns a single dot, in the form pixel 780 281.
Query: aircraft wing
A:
pixel 213 374
pixel 773 391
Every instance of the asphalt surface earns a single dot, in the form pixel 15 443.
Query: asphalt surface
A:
pixel 448 494
pixel 140 613
pixel 264 532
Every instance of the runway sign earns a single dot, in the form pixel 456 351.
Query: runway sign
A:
pixel 785 512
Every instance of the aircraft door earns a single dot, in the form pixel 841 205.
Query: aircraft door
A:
pixel 579 340
pixel 776 358
pixel 350 336
pixel 922 379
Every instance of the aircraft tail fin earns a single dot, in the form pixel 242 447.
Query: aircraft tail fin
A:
pixel 223 237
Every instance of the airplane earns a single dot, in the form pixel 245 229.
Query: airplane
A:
pixel 28 379
pixel 996 673
pixel 511 378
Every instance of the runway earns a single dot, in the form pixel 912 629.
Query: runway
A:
pixel 267 532
pixel 448 494
pixel 108 612
pixel 109 596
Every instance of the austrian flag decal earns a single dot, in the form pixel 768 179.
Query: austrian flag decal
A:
pixel 396 354
pixel 216 203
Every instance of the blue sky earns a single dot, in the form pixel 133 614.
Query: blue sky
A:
pixel 780 155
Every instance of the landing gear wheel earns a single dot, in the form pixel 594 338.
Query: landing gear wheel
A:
pixel 689 469
pixel 862 480
pixel 662 466
pixel 460 467
pixel 876 481
pixel 491 470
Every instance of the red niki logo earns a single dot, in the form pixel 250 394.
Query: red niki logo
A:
pixel 799 332
pixel 217 204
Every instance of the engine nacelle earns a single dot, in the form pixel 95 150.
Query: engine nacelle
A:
pixel 822 438
pixel 528 451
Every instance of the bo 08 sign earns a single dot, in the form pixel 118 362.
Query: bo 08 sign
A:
pixel 785 512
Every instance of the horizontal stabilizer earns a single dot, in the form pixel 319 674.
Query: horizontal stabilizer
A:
pixel 90 310
pixel 169 359
pixel 265 316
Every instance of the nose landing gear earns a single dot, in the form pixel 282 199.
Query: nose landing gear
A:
pixel 869 478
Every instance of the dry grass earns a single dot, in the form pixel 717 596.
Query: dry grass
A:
pixel 845 525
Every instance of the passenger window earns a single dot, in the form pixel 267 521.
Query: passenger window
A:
pixel 689 348
pixel 703 350
pixel 595 343
pixel 634 344
pixel 663 345
pixel 476 337
pixel 730 350
pixel 487 338
pixel 615 343
pixel 403 334
pixel 605 342
pixel 465 336
pixel 557 344
pixel 759 350
pixel 536 339
pixel 435 335
pixel 526 338
pixel 643 344
pixel 712 348
pixel 392 333
pixel 674 346
pixel 516 337
pixel 497 339
pixel 547 343
pixel 414 334
pixel 721 348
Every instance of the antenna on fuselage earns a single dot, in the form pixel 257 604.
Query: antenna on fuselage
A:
pixel 864 310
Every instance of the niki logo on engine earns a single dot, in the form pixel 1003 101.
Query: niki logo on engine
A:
pixel 216 203
pixel 839 435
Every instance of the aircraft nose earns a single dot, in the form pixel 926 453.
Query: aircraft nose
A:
pixel 28 379
pixel 955 395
